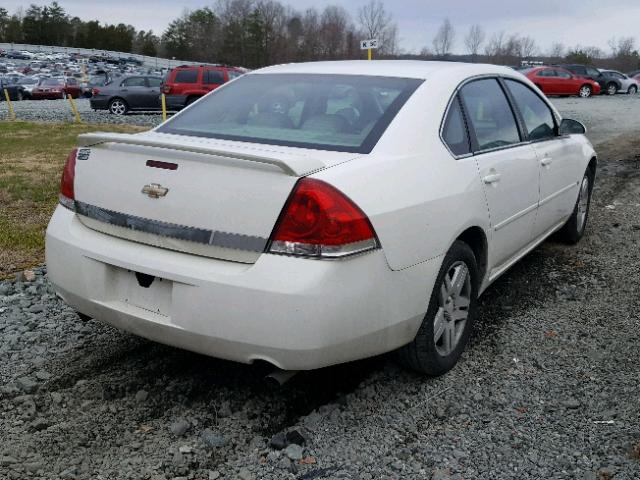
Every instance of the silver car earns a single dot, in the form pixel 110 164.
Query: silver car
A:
pixel 617 82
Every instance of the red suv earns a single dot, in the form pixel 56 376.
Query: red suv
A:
pixel 184 85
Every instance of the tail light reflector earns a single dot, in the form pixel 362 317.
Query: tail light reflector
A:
pixel 166 89
pixel 320 221
pixel 67 194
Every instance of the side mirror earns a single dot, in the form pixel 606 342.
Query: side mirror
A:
pixel 572 127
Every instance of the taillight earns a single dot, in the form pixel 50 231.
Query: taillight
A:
pixel 95 91
pixel 67 194
pixel 166 89
pixel 320 221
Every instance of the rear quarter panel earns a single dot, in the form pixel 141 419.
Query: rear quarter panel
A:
pixel 418 197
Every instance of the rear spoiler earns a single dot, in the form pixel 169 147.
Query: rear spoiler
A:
pixel 298 167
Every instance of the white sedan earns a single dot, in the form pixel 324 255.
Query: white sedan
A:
pixel 312 214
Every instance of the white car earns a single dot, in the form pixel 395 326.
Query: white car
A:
pixel 312 214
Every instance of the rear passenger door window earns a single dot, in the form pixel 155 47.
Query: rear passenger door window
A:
pixel 489 114
pixel 538 118
pixel 454 130
pixel 189 75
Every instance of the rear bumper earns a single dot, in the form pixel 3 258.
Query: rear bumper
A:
pixel 98 103
pixel 294 313
pixel 175 102
pixel 46 96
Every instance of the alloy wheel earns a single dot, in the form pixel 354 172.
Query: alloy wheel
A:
pixel 118 107
pixel 585 91
pixel 454 298
pixel 612 89
pixel 633 90
pixel 583 204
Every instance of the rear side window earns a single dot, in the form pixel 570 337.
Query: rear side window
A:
pixel 593 72
pixel 563 74
pixel 215 77
pixel 546 73
pixel 537 115
pixel 186 76
pixel 134 82
pixel 454 132
pixel 490 114
pixel 154 82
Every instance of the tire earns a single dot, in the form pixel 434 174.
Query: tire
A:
pixel 19 96
pixel 632 90
pixel 574 229
pixel 118 106
pixel 431 353
pixel 612 89
pixel 585 91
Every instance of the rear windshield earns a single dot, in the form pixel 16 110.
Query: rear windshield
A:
pixel 346 113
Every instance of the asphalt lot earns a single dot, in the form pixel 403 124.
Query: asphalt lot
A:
pixel 548 387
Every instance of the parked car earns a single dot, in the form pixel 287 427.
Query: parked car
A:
pixel 617 82
pixel 16 92
pixel 184 85
pixel 54 88
pixel 586 71
pixel 17 55
pixel 312 214
pixel 128 93
pixel 28 84
pixel 558 81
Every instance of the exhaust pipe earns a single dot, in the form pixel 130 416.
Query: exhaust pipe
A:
pixel 280 377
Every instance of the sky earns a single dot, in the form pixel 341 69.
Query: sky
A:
pixel 572 22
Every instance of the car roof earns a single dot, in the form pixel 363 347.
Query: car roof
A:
pixel 419 69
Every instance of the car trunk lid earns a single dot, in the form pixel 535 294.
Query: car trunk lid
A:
pixel 206 197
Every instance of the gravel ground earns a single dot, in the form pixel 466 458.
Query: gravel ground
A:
pixel 548 387
pixel 60 111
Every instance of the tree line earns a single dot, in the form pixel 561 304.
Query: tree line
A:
pixel 510 49
pixel 255 33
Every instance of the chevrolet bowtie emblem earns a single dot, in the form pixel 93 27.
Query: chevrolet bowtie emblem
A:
pixel 154 190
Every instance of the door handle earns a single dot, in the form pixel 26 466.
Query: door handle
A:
pixel 546 161
pixel 491 179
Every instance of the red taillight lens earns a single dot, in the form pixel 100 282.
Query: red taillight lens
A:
pixel 95 92
pixel 166 89
pixel 67 194
pixel 320 221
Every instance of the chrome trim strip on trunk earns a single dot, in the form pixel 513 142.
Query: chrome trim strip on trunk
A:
pixel 179 232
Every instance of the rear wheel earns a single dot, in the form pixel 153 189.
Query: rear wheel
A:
pixel 633 90
pixel 612 89
pixel 447 325
pixel 585 91
pixel 575 227
pixel 117 106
